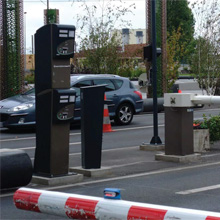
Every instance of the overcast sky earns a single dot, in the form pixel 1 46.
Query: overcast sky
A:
pixel 34 17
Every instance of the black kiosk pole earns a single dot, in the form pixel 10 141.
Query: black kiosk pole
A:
pixel 155 139
pixel 54 46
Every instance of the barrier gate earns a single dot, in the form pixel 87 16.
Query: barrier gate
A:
pixel 110 207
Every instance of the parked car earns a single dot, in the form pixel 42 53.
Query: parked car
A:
pixel 19 111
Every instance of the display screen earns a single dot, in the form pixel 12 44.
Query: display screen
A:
pixel 66 47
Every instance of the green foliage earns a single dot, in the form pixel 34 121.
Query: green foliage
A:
pixel 102 57
pixel 137 72
pixel 125 71
pixel 29 78
pixel 206 58
pixel 98 42
pixel 213 124
pixel 180 15
pixel 174 52
pixel 206 64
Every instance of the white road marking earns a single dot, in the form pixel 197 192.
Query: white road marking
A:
pixel 133 176
pixel 205 110
pixel 107 150
pixel 18 139
pixel 25 148
pixel 202 189
pixel 75 143
pixel 30 138
pixel 136 128
pixel 211 155
pixel 120 129
pixel 123 177
pixel 130 164
pixel 30 148
pixel 73 134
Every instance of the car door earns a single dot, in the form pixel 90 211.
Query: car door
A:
pixel 110 92
pixel 77 86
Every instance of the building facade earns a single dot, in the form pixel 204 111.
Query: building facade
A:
pixel 131 36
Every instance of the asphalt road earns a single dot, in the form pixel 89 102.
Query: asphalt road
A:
pixel 136 173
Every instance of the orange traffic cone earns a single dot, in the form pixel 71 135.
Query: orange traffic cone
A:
pixel 106 120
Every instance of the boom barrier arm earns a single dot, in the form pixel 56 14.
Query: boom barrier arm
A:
pixel 205 99
pixel 86 207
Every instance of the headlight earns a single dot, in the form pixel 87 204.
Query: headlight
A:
pixel 21 107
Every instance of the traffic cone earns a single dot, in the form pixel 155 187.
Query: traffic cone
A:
pixel 106 119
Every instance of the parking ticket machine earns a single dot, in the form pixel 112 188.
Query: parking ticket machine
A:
pixel 54 46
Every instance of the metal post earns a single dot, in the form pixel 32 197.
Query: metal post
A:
pixel 25 49
pixel 155 139
pixel 47 11
pixel 32 44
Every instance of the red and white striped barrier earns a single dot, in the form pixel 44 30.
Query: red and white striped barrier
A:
pixel 86 207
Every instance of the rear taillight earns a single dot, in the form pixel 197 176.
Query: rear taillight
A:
pixel 138 93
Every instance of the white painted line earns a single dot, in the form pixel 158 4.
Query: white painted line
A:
pixel 31 148
pixel 130 164
pixel 30 138
pixel 210 155
pixel 75 143
pixel 133 176
pixel 26 148
pixel 73 134
pixel 136 128
pixel 202 189
pixel 18 139
pixel 205 110
pixel 123 177
pixel 107 150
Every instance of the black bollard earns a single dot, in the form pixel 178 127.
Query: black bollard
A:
pixel 15 168
pixel 92 103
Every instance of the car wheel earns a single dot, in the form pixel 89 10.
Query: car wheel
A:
pixel 124 114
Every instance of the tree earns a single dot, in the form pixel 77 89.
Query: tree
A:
pixel 206 59
pixel 99 43
pixel 180 15
pixel 174 52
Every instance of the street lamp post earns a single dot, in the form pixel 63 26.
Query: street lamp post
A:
pixel 25 41
pixel 47 11
pixel 155 139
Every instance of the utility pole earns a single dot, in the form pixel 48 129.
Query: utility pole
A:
pixel 151 52
pixel 155 139
pixel 47 11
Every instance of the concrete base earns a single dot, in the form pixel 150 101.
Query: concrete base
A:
pixel 177 158
pixel 201 140
pixel 102 172
pixel 152 147
pixel 55 181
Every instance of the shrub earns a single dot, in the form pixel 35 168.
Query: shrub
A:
pixel 137 72
pixel 29 78
pixel 125 72
pixel 213 124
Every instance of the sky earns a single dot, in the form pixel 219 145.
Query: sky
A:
pixel 34 17
pixel 68 10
